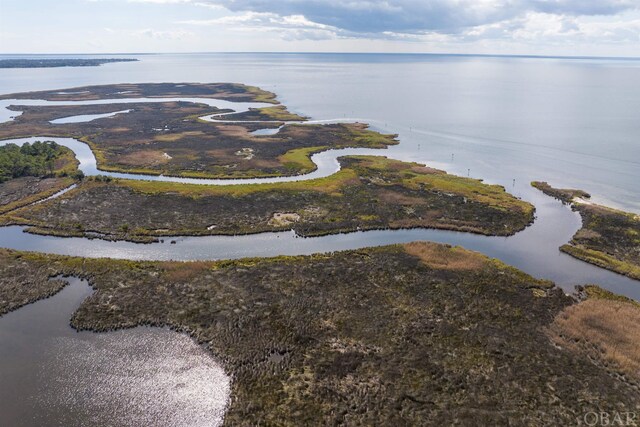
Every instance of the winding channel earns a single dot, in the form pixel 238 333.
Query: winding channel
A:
pixel 534 250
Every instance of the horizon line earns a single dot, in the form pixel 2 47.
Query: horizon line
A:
pixel 494 55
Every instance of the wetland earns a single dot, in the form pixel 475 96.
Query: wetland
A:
pixel 415 333
pixel 408 333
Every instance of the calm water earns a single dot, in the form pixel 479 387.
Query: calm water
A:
pixel 52 375
pixel 571 122
pixel 507 120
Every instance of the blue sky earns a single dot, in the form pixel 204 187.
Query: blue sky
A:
pixel 538 27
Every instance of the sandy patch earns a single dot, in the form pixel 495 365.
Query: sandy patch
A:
pixel 280 219
pixel 246 153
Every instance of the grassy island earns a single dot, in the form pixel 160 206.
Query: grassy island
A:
pixel 609 238
pixel 369 192
pixel 170 138
pixel 416 334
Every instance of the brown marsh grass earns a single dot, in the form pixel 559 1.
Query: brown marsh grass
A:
pixel 606 330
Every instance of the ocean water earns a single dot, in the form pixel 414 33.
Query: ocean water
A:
pixel 572 122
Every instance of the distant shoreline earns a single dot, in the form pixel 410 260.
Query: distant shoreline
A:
pixel 59 62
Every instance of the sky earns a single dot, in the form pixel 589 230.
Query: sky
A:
pixel 524 27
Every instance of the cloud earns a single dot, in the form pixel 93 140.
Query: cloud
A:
pixel 436 21
pixel 160 35
pixel 583 7
pixel 420 16
pixel 292 27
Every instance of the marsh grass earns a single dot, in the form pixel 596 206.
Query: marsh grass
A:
pixel 607 330
pixel 374 336
pixel 368 193
pixel 447 257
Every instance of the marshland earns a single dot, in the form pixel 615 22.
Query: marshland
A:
pixel 407 333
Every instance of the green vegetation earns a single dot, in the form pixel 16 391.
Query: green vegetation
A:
pixel 417 334
pixel 261 95
pixel 601 259
pixel 280 112
pixel 38 159
pixel 34 172
pixel 300 159
pixel 596 292
pixel 609 238
pixel 367 193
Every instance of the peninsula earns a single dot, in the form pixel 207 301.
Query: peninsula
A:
pixel 59 62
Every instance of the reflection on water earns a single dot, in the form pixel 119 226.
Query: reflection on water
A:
pixel 52 375
pixel 83 118
pixel 7 115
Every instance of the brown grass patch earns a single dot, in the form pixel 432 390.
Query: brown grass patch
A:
pixel 221 155
pixel 236 131
pixel 297 131
pixel 172 137
pixel 446 257
pixel 281 219
pixel 605 330
pixel 183 271
pixel 143 158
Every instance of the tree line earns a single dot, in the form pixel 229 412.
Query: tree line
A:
pixel 37 159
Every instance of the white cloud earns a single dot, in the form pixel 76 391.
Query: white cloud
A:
pixel 553 28
pixel 293 27
pixel 431 22
pixel 162 35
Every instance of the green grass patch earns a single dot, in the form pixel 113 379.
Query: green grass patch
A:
pixel 281 113
pixel 602 260
pixel 300 158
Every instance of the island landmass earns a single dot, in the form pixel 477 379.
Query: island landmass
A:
pixel 171 138
pixel 369 192
pixel 59 62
